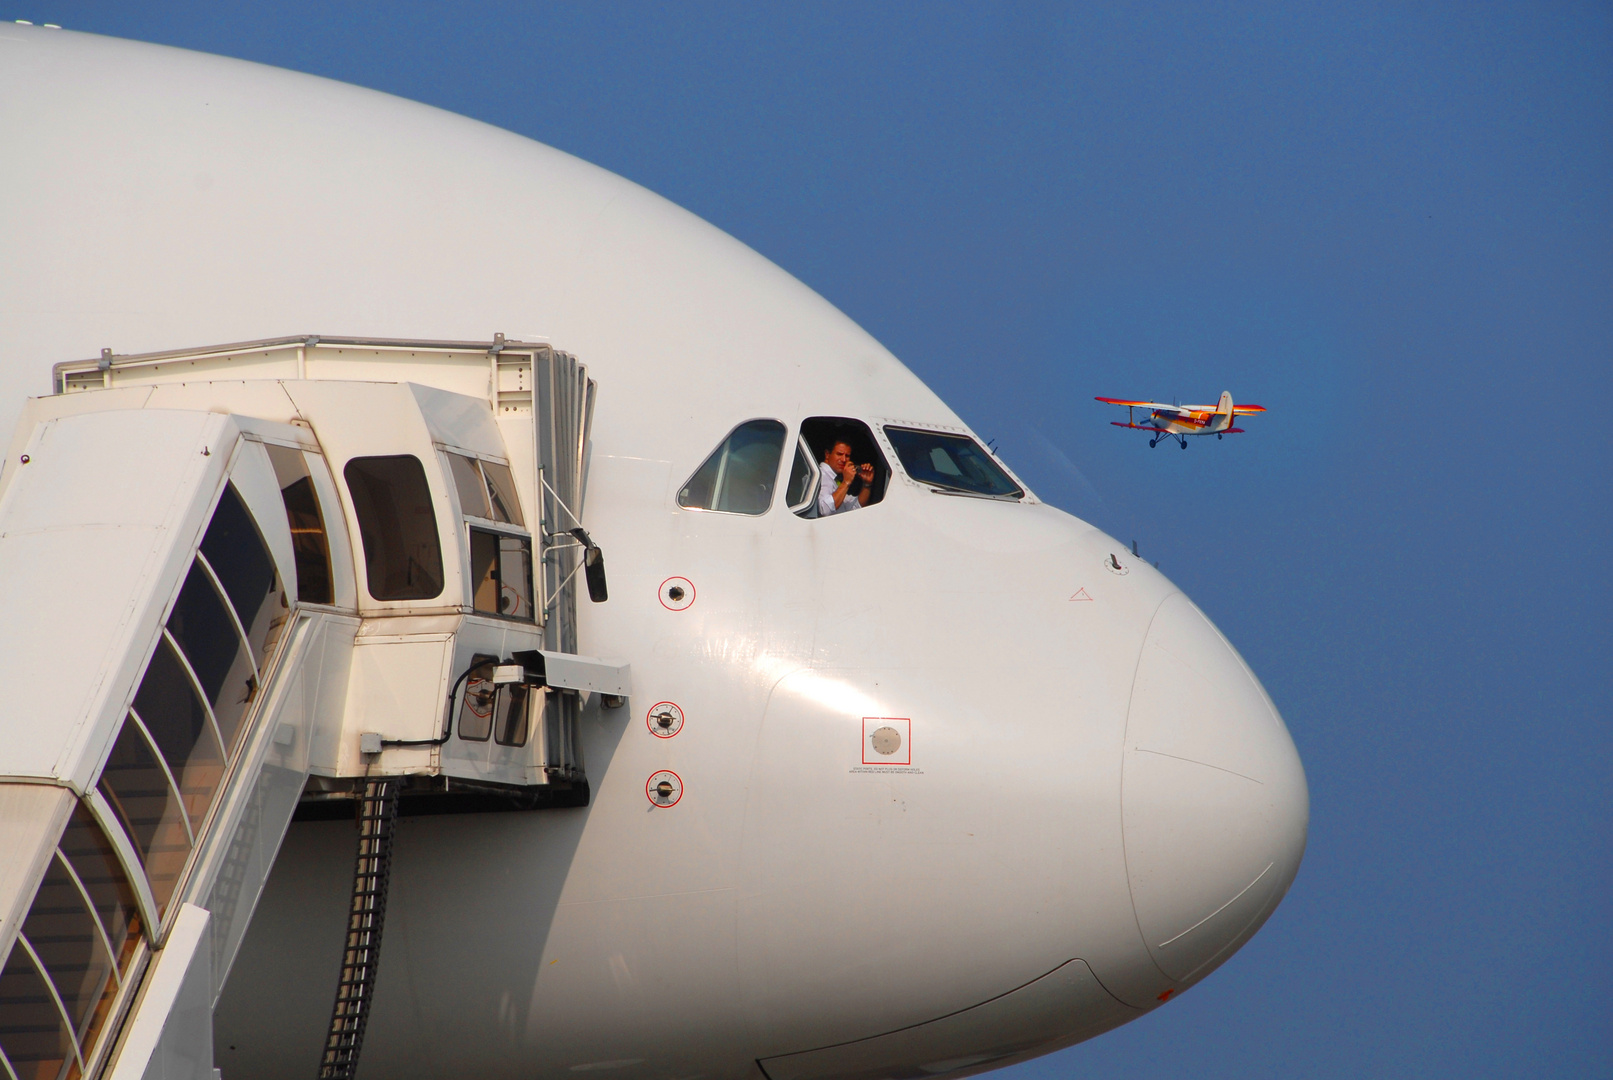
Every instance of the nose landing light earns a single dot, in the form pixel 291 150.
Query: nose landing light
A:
pixel 1214 804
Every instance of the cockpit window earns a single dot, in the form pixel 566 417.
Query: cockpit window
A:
pixel 739 475
pixel 838 468
pixel 952 463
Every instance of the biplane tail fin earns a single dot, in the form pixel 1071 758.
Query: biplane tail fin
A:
pixel 1223 412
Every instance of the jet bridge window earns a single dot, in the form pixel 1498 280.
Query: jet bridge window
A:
pixel 739 475
pixel 951 463
pixel 501 573
pixel 486 489
pixel 70 957
pixel 491 709
pixel 402 551
pixel 814 481
pixel 309 545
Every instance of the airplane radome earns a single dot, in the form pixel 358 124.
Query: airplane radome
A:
pixel 388 397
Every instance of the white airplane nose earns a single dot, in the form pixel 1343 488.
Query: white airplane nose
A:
pixel 1213 800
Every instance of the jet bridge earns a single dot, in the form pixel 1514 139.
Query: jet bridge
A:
pixel 239 581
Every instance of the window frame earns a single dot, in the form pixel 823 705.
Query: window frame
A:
pixel 898 468
pixel 470 523
pixel 778 466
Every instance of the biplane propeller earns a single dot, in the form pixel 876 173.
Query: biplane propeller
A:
pixel 1179 421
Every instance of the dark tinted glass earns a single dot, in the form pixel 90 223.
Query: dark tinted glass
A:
pixel 738 477
pixel 167 703
pixel 63 932
pixel 511 723
pixel 476 711
pixel 150 810
pixel 32 1034
pixel 97 866
pixel 956 462
pixel 208 638
pixel 239 558
pixel 309 545
pixel 402 553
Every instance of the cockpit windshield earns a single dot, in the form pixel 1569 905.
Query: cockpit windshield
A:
pixel 951 463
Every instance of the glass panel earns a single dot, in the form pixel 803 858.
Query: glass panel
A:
pixel 501 493
pixel 65 937
pixel 955 462
pixel 167 704
pixel 149 808
pixel 207 636
pixel 309 544
pixel 803 471
pixel 239 557
pixel 515 577
pixel 501 573
pixel 468 482
pixel 97 866
pixel 402 552
pixel 476 713
pixel 484 570
pixel 738 477
pixel 32 1034
pixel 511 726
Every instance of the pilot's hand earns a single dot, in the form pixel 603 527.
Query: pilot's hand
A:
pixel 866 471
pixel 849 473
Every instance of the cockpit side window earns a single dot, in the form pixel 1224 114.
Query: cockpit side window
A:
pixel 739 475
pixel 951 463
pixel 824 490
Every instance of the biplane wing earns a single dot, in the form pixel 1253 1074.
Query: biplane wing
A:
pixel 1148 405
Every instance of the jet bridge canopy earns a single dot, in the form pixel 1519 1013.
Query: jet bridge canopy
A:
pixel 315 562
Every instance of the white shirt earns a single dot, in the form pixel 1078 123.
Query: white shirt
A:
pixel 828 480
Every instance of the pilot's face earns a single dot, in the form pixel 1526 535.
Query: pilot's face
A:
pixel 838 457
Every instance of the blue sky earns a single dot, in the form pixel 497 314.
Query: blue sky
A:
pixel 1392 226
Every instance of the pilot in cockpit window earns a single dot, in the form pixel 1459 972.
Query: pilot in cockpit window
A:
pixel 837 467
pixel 845 484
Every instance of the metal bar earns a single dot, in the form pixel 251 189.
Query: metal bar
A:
pixel 129 858
pixel 355 985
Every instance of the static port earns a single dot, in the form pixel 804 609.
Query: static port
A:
pixel 675 593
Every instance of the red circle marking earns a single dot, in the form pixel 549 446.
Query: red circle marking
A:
pixel 679 605
pixel 651 780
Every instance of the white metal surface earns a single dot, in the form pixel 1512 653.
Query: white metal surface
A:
pixel 799 895
pixel 170 1035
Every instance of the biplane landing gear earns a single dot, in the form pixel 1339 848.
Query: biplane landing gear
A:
pixel 1184 442
pixel 1217 436
pixel 1153 442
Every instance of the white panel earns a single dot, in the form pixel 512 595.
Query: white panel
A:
pixel 170 1035
pixel 86 533
pixel 587 673
pixel 1212 794
pixel 31 820
pixel 459 420
pixel 1064 1005
pixel 397 689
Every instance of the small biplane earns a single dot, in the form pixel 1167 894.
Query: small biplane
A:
pixel 1179 421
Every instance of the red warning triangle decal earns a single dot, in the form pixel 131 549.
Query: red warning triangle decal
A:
pixel 1081 594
